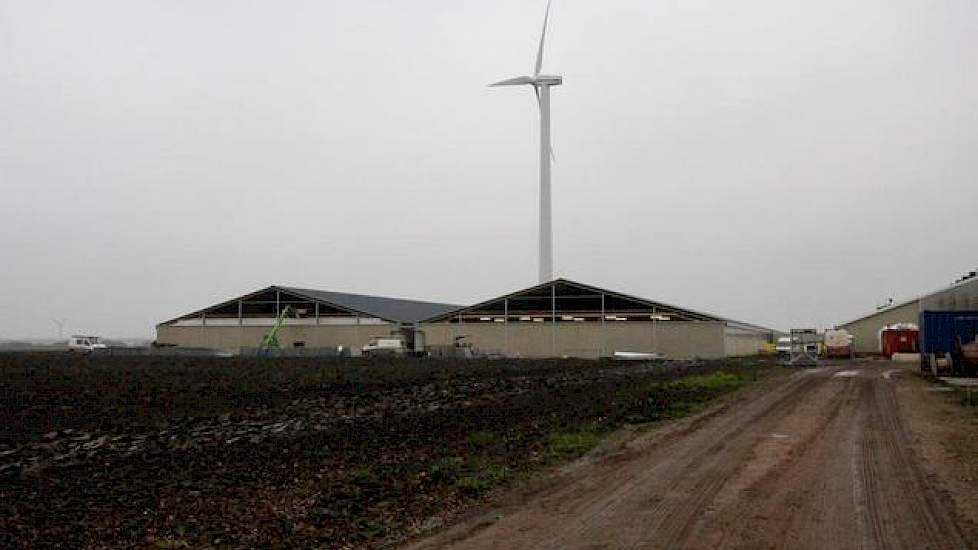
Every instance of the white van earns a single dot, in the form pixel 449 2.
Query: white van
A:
pixel 783 346
pixel 85 344
pixel 385 345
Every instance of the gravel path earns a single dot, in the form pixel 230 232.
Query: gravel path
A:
pixel 825 458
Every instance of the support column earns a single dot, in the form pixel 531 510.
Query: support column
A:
pixel 458 332
pixel 356 336
pixel 655 319
pixel 553 318
pixel 240 325
pixel 506 325
pixel 604 331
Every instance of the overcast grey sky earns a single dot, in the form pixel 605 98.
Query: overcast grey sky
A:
pixel 784 162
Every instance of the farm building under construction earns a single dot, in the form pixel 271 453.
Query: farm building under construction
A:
pixel 561 318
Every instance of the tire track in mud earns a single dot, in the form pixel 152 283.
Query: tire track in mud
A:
pixel 904 509
pixel 847 476
pixel 874 532
pixel 817 488
pixel 729 458
pixel 657 493
pixel 664 520
pixel 774 496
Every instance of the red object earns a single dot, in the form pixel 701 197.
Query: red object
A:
pixel 838 351
pixel 899 341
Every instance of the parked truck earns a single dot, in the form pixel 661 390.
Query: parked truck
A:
pixel 949 342
pixel 838 344
pixel 86 344
pixel 404 341
pixel 393 345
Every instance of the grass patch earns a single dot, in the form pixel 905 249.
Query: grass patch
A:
pixel 445 470
pixel 482 480
pixel 367 528
pixel 686 395
pixel 468 478
pixel 171 544
pixel 716 381
pixel 561 446
pixel 481 439
pixel 362 476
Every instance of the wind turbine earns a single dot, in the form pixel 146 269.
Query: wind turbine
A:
pixel 541 85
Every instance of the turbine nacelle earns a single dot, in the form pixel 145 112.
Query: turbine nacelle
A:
pixel 538 80
pixel 549 80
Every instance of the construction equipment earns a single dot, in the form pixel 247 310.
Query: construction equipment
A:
pixel 969 354
pixel 270 340
pixel 949 342
pixel 804 348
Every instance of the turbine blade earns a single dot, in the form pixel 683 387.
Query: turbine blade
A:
pixel 519 80
pixel 543 36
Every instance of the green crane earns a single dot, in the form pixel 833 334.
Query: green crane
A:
pixel 270 340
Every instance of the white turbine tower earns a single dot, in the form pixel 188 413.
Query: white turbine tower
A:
pixel 541 85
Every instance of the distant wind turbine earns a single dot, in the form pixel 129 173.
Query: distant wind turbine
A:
pixel 61 327
pixel 541 85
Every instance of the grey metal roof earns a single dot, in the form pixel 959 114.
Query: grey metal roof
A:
pixel 921 298
pixel 390 309
pixel 697 315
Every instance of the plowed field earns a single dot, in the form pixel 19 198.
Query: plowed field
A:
pixel 122 452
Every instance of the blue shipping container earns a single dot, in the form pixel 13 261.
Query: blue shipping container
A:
pixel 940 330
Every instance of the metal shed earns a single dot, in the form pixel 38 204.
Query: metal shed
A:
pixel 556 319
pixel 960 296
pixel 564 318
pixel 322 319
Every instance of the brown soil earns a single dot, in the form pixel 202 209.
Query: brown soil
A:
pixel 854 455
pixel 156 452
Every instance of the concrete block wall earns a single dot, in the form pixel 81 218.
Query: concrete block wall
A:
pixel 673 339
pixel 743 343
pixel 233 338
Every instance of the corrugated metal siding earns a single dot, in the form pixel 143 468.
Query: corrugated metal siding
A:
pixel 961 297
pixel 865 331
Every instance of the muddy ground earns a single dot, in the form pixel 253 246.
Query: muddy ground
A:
pixel 852 455
pixel 121 452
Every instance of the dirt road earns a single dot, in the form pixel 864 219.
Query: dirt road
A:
pixel 823 458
